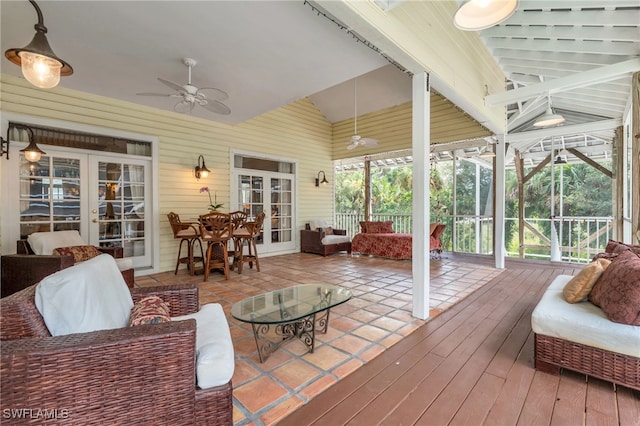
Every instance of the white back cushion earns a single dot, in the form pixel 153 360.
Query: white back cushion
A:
pixel 318 223
pixel 45 242
pixel 88 296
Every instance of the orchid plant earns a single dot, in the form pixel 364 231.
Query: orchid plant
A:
pixel 213 204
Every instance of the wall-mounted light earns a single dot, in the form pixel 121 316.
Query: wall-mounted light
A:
pixel 324 180
pixel 201 169
pixel 32 152
pixel 476 15
pixel 40 66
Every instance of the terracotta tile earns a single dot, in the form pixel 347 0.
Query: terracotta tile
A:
pixel 345 324
pixel 347 368
pixel 243 373
pixel 371 333
pixel 350 344
pixel 372 352
pixel 280 411
pixel 326 357
pixel 296 374
pixel 258 394
pixel 387 323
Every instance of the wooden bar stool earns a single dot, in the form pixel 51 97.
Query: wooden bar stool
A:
pixel 216 230
pixel 248 233
pixel 187 233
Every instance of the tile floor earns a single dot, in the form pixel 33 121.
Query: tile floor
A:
pixel 378 316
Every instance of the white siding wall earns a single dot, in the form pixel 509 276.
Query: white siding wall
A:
pixel 296 131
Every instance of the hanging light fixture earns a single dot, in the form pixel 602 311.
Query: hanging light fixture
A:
pixel 549 118
pixel 487 152
pixel 40 66
pixel 475 15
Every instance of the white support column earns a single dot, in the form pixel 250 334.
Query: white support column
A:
pixel 421 191
pixel 499 247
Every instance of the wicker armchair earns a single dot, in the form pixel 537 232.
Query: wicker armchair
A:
pixel 311 241
pixel 26 268
pixel 143 374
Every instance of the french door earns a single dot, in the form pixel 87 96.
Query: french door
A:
pixel 103 197
pixel 271 193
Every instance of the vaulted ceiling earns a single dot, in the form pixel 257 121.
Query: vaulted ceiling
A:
pixel 578 53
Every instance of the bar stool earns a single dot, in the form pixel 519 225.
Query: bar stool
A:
pixel 216 230
pixel 248 233
pixel 187 233
pixel 238 218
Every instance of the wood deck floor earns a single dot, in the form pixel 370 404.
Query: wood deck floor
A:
pixel 473 365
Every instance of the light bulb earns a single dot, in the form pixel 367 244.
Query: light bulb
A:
pixel 39 70
pixel 32 156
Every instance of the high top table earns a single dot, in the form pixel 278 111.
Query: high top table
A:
pixel 279 316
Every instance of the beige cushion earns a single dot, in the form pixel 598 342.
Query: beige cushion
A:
pixel 45 242
pixel 578 288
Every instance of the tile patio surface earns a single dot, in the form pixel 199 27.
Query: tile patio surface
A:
pixel 377 317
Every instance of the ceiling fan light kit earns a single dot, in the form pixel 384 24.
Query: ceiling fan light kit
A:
pixel 40 66
pixel 476 15
pixel 208 98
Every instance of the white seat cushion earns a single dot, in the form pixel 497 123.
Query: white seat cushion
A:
pixel 45 242
pixel 215 359
pixel 335 239
pixel 88 296
pixel 582 322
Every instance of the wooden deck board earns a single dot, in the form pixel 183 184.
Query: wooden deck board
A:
pixel 473 364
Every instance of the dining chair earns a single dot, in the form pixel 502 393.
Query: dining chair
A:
pixel 250 232
pixel 188 233
pixel 216 230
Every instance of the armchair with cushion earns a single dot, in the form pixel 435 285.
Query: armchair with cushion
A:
pixel 320 238
pixel 54 251
pixel 90 367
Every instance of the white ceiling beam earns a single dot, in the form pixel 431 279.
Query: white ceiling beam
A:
pixel 572 57
pixel 568 32
pixel 584 46
pixel 621 17
pixel 586 78
pixel 563 130
pixel 574 4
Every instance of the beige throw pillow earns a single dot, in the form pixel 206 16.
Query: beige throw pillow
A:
pixel 578 288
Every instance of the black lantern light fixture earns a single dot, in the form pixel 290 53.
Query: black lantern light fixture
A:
pixel 40 66
pixel 324 180
pixel 32 152
pixel 201 169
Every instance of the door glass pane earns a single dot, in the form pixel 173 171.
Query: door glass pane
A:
pixel 281 210
pixel 121 206
pixel 49 195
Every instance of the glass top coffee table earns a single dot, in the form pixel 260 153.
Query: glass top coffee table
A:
pixel 293 312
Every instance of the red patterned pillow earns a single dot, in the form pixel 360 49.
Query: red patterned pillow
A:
pixel 618 247
pixel 79 253
pixel 385 227
pixel 149 310
pixel 328 230
pixel 617 292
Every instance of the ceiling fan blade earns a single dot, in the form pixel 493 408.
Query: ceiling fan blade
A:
pixel 369 142
pixel 171 84
pixel 215 106
pixel 171 95
pixel 213 93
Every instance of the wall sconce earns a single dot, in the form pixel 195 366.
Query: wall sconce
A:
pixel 201 169
pixel 324 180
pixel 40 66
pixel 32 152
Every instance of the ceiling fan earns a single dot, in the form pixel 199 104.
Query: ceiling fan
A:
pixel 207 97
pixel 356 139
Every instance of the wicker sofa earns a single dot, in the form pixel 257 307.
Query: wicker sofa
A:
pixel 144 374
pixel 574 333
